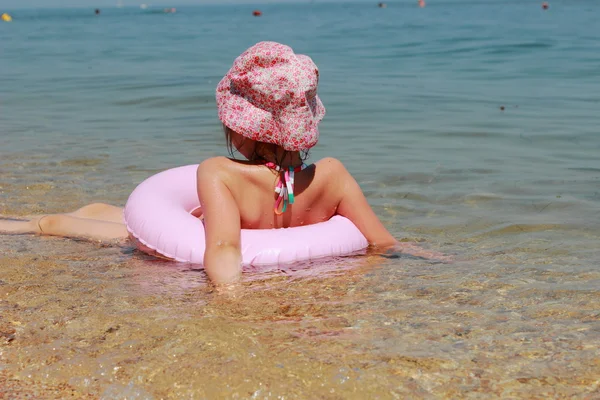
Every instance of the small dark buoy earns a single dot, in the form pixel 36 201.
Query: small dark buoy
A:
pixel 545 6
pixel 501 108
pixel 97 11
pixel 381 5
pixel 257 13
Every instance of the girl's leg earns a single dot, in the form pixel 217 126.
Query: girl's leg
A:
pixel 17 226
pixel 86 228
pixel 101 212
pixel 94 221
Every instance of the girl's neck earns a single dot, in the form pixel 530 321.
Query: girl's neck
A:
pixel 283 159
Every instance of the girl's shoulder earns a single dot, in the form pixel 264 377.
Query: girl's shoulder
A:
pixel 215 162
pixel 324 176
pixel 221 164
pixel 218 166
pixel 331 163
pixel 331 170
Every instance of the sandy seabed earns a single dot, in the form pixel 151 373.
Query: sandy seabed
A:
pixel 83 320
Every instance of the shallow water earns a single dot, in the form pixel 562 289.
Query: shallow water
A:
pixel 92 106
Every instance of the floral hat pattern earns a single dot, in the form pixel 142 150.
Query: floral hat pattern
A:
pixel 270 95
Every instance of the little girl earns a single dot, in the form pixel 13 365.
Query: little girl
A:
pixel 270 111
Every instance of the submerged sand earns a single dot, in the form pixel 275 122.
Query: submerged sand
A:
pixel 93 321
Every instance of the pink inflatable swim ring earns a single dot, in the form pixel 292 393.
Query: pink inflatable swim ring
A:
pixel 158 215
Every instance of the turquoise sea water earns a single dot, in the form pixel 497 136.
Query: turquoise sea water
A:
pixel 471 127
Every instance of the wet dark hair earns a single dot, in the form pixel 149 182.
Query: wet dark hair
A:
pixel 267 148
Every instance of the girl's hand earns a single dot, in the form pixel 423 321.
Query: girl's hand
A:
pixel 415 250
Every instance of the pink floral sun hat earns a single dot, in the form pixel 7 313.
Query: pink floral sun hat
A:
pixel 270 95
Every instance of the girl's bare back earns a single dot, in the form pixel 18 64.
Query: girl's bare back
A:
pixel 252 188
pixel 322 190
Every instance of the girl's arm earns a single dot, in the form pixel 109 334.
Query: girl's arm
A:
pixel 222 257
pixel 354 206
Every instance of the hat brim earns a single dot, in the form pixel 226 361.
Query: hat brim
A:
pixel 254 123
